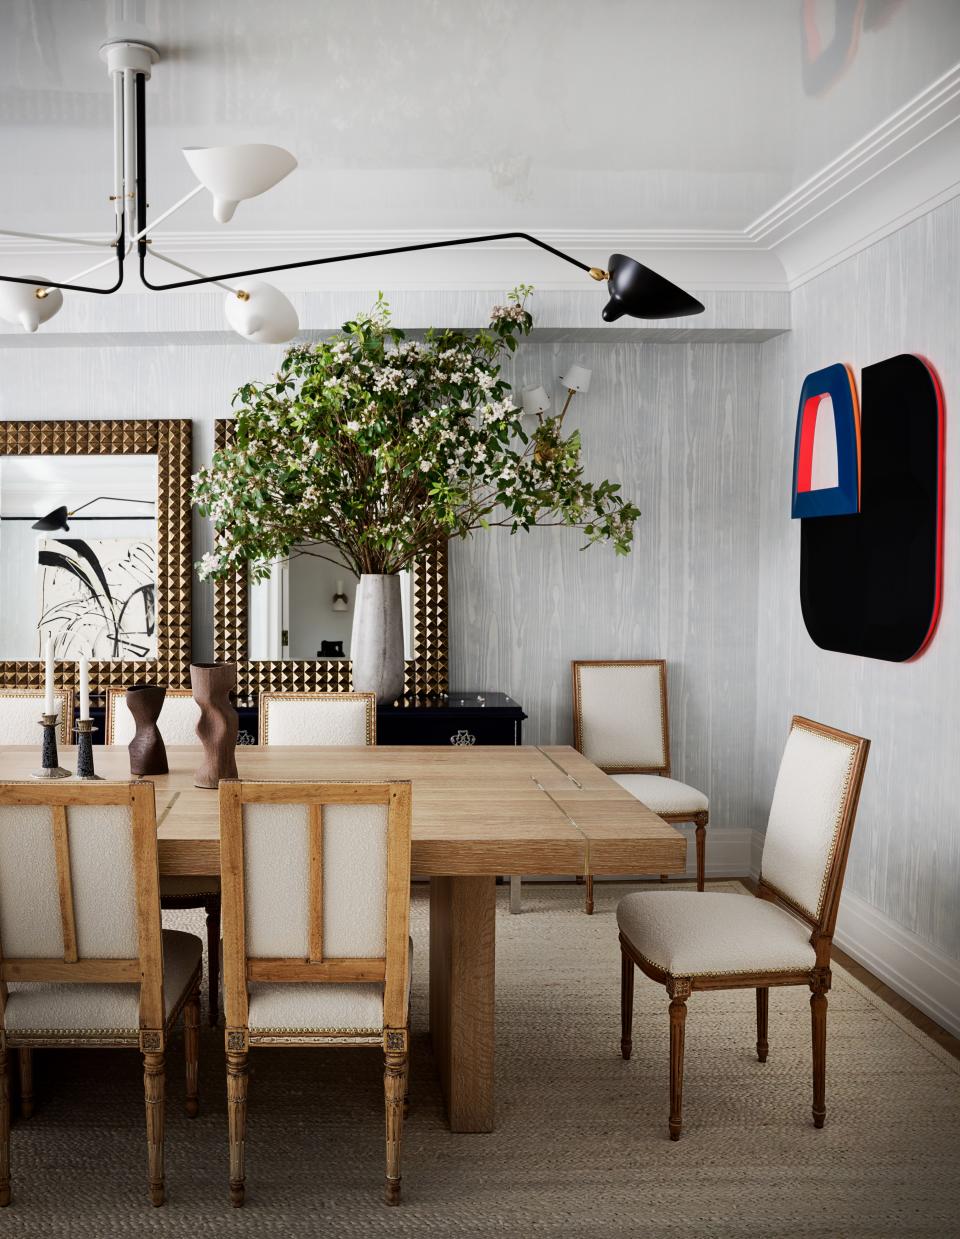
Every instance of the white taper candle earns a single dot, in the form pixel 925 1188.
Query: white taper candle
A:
pixel 84 687
pixel 48 706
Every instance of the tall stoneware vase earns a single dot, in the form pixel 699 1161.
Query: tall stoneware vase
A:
pixel 376 644
pixel 212 684
pixel 148 754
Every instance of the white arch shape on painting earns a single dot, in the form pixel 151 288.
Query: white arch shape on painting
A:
pixel 825 465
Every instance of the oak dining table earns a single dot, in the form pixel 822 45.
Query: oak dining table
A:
pixel 478 811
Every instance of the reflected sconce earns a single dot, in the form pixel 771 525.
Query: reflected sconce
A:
pixel 57 519
pixel 340 600
pixel 576 379
pixel 233 174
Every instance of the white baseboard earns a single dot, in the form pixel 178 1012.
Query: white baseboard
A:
pixel 901 959
pixel 907 963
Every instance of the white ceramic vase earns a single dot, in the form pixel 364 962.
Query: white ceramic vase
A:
pixel 376 644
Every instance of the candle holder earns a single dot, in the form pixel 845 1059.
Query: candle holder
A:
pixel 49 759
pixel 85 729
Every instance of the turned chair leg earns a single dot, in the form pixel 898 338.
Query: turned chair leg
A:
pixel 406 1080
pixel 627 973
pixel 25 1055
pixel 212 907
pixel 237 1124
pixel 394 1087
pixel 818 1013
pixel 4 1128
pixel 763 1007
pixel 589 902
pixel 679 992
pixel 191 1050
pixel 153 1092
pixel 701 824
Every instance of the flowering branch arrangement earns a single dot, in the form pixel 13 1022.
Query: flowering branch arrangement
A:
pixel 376 446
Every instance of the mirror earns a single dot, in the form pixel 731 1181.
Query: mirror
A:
pixel 88 577
pixel 305 609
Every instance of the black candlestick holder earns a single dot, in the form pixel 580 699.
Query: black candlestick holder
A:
pixel 49 759
pixel 85 729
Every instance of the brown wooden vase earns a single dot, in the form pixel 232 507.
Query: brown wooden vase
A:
pixel 212 684
pixel 148 755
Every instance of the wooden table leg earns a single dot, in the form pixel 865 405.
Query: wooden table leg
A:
pixel 462 950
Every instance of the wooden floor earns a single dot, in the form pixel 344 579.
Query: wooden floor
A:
pixel 909 1012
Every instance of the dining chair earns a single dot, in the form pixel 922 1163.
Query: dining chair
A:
pixel 783 935
pixel 178 725
pixel 620 722
pixel 316 948
pixel 84 962
pixel 318 718
pixel 20 710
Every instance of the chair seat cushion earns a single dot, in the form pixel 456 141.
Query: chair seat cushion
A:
pixel 317 1007
pixel 176 887
pixel 663 795
pixel 706 933
pixel 39 1006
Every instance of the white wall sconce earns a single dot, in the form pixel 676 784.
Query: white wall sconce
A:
pixel 576 378
pixel 340 600
pixel 535 401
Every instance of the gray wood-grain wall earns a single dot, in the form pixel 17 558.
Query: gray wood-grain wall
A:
pixel 901 295
pixel 676 425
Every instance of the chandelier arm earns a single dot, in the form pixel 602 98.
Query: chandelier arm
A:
pixel 76 288
pixel 183 267
pixel 61 240
pixel 396 249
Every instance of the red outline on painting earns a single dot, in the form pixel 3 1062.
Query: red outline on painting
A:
pixel 941 504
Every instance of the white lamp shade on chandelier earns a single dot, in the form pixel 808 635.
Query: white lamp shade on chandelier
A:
pixel 576 378
pixel 235 173
pixel 261 313
pixel 24 305
pixel 535 400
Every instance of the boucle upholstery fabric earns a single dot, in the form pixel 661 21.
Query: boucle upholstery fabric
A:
pixel 700 933
pixel 177 722
pixel 101 867
pixel 805 816
pixel 276 880
pixel 331 719
pixel 101 1008
pixel 19 716
pixel 663 795
pixel 621 717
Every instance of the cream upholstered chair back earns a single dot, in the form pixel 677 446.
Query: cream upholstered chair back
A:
pixel 316 888
pixel 620 714
pixel 318 718
pixel 811 819
pixel 20 710
pixel 177 722
pixel 79 891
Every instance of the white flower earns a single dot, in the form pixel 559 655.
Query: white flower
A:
pixel 424 466
pixel 352 427
pixel 208 564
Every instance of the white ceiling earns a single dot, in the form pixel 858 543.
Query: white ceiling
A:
pixel 460 114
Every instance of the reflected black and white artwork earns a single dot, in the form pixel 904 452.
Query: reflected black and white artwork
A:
pixel 98 597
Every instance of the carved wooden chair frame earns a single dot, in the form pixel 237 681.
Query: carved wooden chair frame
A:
pixel 369 699
pixel 821 938
pixel 146 970
pixel 392 970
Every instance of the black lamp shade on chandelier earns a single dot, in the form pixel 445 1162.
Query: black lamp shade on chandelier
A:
pixel 636 290
pixel 57 519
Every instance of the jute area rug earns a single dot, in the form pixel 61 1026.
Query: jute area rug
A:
pixel 581 1145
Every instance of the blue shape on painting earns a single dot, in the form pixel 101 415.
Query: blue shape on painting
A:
pixel 843 498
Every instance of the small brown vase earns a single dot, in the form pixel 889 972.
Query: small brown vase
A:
pixel 212 684
pixel 147 752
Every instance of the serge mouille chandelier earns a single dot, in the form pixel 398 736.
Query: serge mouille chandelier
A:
pixel 232 174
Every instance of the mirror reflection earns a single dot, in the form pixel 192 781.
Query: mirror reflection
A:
pixel 78 556
pixel 304 610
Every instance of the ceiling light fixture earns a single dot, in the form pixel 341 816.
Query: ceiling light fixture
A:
pixel 232 174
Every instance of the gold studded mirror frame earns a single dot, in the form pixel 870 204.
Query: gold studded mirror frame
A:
pixel 426 674
pixel 170 442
